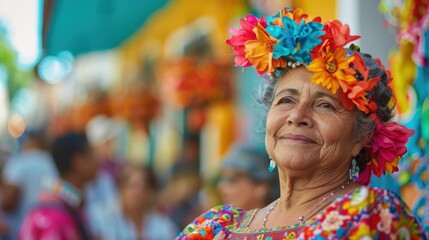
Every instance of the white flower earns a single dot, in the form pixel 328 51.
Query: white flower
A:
pixel 333 221
pixel 385 223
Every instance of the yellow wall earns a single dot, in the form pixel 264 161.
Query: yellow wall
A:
pixel 177 14
pixel 325 8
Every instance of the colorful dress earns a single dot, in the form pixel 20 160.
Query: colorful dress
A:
pixel 364 213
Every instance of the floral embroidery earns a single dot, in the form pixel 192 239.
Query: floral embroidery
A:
pixel 363 232
pixel 333 221
pixel 365 213
pixel 385 221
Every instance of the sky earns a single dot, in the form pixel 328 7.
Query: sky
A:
pixel 22 21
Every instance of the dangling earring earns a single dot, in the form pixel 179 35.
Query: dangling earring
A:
pixel 272 165
pixel 354 171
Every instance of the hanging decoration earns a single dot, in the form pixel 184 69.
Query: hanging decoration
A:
pixel 410 65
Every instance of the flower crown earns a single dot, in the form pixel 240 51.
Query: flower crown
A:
pixel 289 39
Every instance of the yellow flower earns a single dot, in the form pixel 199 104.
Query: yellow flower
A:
pixel 359 200
pixel 406 229
pixel 290 236
pixel 362 233
pixel 329 68
pixel 260 51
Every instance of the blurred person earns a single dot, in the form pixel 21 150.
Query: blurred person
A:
pixel 135 217
pixel 7 146
pixel 100 194
pixel 103 133
pixel 22 175
pixel 181 197
pixel 245 180
pixel 5 228
pixel 58 215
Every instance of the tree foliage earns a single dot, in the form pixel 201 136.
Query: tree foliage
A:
pixel 16 77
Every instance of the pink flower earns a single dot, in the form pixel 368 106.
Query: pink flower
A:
pixel 241 36
pixel 388 145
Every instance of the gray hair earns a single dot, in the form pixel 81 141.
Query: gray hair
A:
pixel 381 94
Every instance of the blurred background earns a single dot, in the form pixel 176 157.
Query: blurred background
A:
pixel 162 75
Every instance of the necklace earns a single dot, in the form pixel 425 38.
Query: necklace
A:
pixel 301 219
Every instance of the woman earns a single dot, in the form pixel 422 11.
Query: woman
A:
pixel 135 217
pixel 245 181
pixel 328 128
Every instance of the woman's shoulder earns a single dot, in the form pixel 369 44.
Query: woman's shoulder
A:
pixel 367 199
pixel 366 212
pixel 216 219
pixel 368 195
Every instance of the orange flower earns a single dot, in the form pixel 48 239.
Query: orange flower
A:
pixel 388 74
pixel 357 94
pixel 392 166
pixel 260 51
pixel 359 67
pixel 329 69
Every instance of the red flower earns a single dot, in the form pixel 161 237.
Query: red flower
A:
pixel 205 232
pixel 241 36
pixel 388 145
pixel 389 76
pixel 336 35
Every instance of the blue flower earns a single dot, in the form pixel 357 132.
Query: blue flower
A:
pixel 295 40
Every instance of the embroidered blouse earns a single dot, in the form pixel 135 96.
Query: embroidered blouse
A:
pixel 364 213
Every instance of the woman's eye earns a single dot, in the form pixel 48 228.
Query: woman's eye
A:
pixel 284 100
pixel 327 105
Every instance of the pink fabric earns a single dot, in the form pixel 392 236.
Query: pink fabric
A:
pixel 49 223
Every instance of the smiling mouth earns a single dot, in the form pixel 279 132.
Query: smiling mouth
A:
pixel 297 139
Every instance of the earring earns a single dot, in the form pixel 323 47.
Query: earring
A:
pixel 272 165
pixel 354 171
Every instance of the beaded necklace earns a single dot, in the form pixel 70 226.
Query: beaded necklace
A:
pixel 301 219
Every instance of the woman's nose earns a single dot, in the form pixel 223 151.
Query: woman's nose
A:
pixel 300 116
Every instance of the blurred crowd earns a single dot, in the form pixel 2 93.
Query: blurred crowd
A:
pixel 73 186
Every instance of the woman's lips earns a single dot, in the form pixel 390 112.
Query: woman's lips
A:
pixel 297 138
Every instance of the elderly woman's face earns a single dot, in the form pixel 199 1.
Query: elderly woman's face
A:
pixel 307 126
